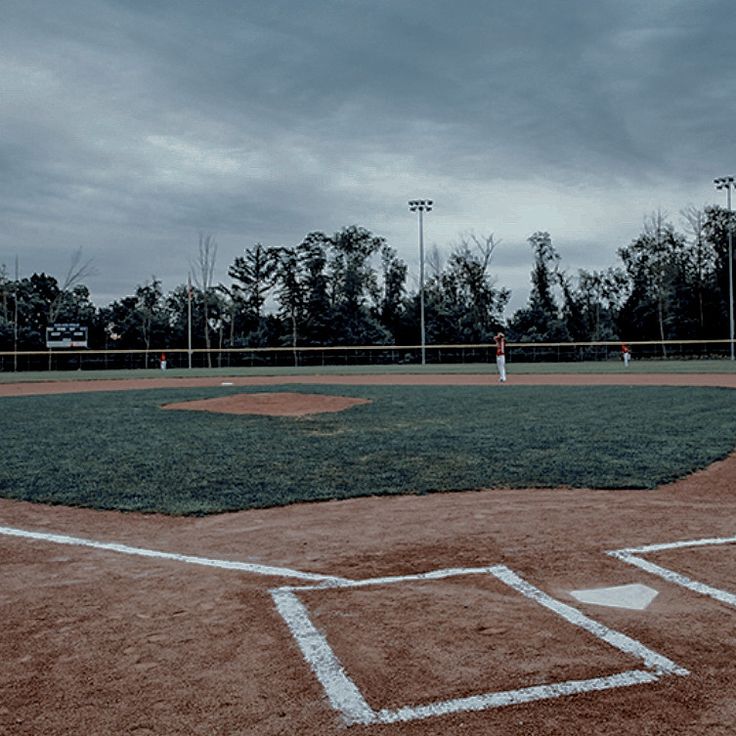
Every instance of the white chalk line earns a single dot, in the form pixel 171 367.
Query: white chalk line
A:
pixel 249 567
pixel 342 692
pixel 515 697
pixel 345 697
pixel 650 658
pixel 677 545
pixel 416 577
pixel 631 556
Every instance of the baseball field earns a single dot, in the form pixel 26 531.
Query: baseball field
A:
pixel 322 553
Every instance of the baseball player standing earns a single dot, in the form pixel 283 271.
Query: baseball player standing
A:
pixel 625 354
pixel 500 340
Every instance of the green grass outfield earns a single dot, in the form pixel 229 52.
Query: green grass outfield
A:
pixel 119 450
pixel 597 367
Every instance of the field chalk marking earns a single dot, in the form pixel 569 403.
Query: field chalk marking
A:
pixel 661 665
pixel 281 572
pixel 345 697
pixel 631 555
pixel 342 692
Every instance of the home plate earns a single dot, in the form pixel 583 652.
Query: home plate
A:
pixel 636 597
pixel 226 383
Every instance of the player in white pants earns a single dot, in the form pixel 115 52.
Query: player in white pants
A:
pixel 500 340
pixel 625 354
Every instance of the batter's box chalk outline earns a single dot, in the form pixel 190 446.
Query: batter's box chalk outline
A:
pixel 345 697
pixel 632 556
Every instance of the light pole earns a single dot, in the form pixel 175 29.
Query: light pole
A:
pixel 728 183
pixel 421 206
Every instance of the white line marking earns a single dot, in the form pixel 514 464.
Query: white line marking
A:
pixel 676 545
pixel 674 577
pixel 346 698
pixel 616 639
pixel 417 577
pixel 282 572
pixel 516 697
pixel 341 691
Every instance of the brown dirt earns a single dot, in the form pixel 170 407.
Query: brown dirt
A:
pixel 279 404
pixel 96 642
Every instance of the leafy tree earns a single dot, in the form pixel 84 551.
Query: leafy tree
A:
pixel 392 304
pixel 353 286
pixel 151 315
pixel 463 302
pixel 718 221
pixel 317 307
pixel 590 307
pixel 291 294
pixel 656 265
pixel 255 274
pixel 541 321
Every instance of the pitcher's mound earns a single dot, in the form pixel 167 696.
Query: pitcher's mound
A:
pixel 276 404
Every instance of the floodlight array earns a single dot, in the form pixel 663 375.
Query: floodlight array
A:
pixel 725 182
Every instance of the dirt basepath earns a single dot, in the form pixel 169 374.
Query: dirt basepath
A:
pixel 96 641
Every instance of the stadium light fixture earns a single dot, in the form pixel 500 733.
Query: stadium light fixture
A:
pixel 421 206
pixel 728 183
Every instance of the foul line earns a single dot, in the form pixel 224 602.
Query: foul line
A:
pixel 281 572
pixel 631 556
pixel 346 698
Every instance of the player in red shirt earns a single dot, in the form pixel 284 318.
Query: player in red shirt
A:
pixel 625 354
pixel 500 340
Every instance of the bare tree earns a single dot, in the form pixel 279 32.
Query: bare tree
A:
pixel 656 227
pixel 204 270
pixel 435 261
pixel 78 270
pixel 149 298
pixel 702 254
pixel 4 294
pixel 484 244
pixel 232 296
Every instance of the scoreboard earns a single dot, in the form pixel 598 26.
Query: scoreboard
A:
pixel 66 336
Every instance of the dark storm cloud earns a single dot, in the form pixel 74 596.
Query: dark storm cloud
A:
pixel 131 123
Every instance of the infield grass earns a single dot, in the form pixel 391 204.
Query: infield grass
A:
pixel 119 450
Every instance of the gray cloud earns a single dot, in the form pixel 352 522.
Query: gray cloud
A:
pixel 128 127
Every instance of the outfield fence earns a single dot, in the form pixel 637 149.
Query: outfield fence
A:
pixel 363 355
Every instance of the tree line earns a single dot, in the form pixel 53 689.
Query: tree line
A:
pixel 351 288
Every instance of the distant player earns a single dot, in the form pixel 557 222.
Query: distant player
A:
pixel 500 340
pixel 625 354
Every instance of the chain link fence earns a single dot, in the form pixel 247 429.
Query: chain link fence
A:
pixel 365 355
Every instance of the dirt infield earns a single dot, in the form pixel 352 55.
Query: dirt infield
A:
pixel 159 636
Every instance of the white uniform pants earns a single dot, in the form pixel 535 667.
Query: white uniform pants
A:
pixel 501 365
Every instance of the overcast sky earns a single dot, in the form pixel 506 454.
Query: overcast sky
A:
pixel 128 127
